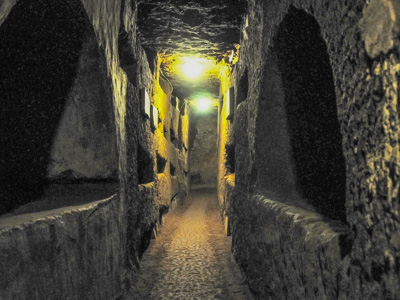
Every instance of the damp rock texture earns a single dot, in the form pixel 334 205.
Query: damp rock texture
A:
pixel 203 27
pixel 67 253
pixel 209 29
pixel 380 26
pixel 85 144
pixel 360 112
pixel 190 258
pixel 289 252
pixel 72 80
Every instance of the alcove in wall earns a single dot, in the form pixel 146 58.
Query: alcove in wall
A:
pixel 299 143
pixel 57 120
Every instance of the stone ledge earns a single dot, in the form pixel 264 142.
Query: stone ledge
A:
pixel 24 220
pixel 74 252
pixel 288 251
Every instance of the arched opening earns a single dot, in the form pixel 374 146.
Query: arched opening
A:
pixel 57 114
pixel 304 134
pixel 311 111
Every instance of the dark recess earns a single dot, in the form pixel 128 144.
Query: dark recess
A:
pixel 172 169
pixel 161 162
pixel 126 55
pixel 145 166
pixel 180 135
pixel 39 54
pixel 230 158
pixel 163 210
pixel 145 241
pixel 174 101
pixel 310 102
pixel 243 88
pixel 173 137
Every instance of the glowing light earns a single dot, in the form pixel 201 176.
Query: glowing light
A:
pixel 192 68
pixel 203 104
pixel 231 57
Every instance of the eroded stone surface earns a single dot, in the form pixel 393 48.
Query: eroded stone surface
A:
pixel 204 27
pixel 85 144
pixel 67 253
pixel 379 26
pixel 286 248
pixel 366 88
pixel 185 28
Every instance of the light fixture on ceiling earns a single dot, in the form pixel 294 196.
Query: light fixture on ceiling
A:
pixel 192 68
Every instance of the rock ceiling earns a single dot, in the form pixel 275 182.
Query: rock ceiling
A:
pixel 179 28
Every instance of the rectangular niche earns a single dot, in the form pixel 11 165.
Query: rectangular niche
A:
pixel 145 103
pixel 230 103
pixel 154 117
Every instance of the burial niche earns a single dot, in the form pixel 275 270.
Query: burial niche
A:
pixel 311 111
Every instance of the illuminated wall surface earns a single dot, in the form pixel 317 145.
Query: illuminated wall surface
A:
pixel 203 154
pixel 289 108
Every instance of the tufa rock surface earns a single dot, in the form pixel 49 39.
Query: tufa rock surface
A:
pixel 209 29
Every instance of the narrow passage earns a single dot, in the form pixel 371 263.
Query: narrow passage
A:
pixel 191 258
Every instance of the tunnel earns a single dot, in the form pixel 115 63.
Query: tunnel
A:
pixel 199 149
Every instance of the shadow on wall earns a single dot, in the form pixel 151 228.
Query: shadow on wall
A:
pixel 39 50
pixel 311 109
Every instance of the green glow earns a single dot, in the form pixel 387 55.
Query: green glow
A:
pixel 203 104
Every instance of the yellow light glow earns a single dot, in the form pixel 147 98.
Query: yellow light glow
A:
pixel 192 68
pixel 203 104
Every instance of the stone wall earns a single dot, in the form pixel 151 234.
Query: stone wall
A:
pixel 85 145
pixel 226 149
pixel 40 55
pixel 361 43
pixel 69 253
pixel 84 117
pixel 163 168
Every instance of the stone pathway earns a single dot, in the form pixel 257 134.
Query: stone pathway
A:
pixel 191 257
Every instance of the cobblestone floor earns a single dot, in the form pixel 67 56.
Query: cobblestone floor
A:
pixel 191 257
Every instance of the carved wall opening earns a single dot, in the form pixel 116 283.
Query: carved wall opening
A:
pixel 54 127
pixel 311 109
pixel 145 164
pixel 301 143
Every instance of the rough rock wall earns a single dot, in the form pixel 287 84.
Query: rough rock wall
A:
pixel 85 251
pixel 90 250
pixel 206 28
pixel 69 253
pixel 362 44
pixel 85 145
pixel 162 156
pixel 226 150
pixel 203 153
pixel 40 50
